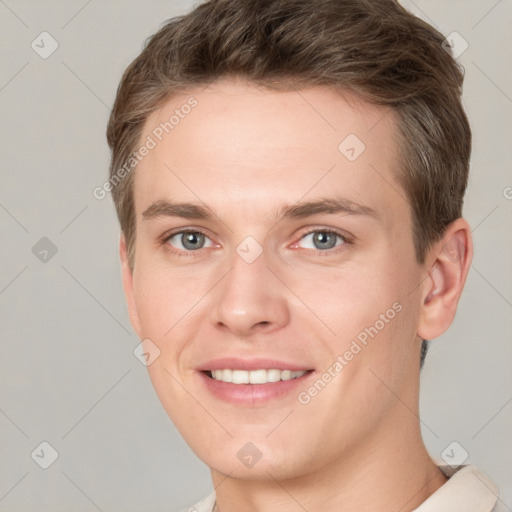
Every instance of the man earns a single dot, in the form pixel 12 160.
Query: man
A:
pixel 289 178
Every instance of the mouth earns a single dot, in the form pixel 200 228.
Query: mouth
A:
pixel 254 388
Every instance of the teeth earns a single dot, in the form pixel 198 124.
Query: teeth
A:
pixel 273 375
pixel 254 376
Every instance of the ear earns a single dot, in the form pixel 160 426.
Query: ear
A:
pixel 127 276
pixel 447 268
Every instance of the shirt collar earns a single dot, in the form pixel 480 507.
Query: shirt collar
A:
pixel 467 489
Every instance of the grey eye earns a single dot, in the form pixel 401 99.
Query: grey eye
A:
pixel 322 240
pixel 189 240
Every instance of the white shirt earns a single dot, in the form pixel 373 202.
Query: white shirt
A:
pixel 467 490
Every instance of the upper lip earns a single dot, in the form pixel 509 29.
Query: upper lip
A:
pixel 235 363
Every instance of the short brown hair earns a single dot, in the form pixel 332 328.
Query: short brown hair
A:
pixel 374 48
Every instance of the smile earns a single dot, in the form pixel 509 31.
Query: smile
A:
pixel 261 376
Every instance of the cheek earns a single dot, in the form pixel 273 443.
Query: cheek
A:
pixel 369 309
pixel 345 299
pixel 171 308
pixel 163 295
pixel 148 300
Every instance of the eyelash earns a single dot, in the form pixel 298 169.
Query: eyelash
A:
pixel 327 252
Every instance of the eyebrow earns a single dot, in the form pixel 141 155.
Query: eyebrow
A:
pixel 165 208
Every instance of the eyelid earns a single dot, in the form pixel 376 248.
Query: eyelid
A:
pixel 187 229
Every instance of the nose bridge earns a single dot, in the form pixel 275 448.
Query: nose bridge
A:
pixel 250 296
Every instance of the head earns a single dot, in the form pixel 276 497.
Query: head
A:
pixel 268 97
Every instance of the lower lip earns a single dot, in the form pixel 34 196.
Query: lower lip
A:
pixel 253 394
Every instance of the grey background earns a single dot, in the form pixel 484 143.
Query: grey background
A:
pixel 68 373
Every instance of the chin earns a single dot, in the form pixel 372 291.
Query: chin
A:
pixel 262 471
pixel 246 460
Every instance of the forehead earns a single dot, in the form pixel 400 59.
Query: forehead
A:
pixel 260 146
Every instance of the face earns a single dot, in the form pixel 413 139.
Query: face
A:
pixel 273 236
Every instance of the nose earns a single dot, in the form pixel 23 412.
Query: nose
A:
pixel 250 299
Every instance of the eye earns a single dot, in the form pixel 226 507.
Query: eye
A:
pixel 189 240
pixel 322 240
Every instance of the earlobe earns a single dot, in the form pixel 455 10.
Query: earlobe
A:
pixel 127 276
pixel 449 262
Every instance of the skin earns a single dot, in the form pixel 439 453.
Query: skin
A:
pixel 246 152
